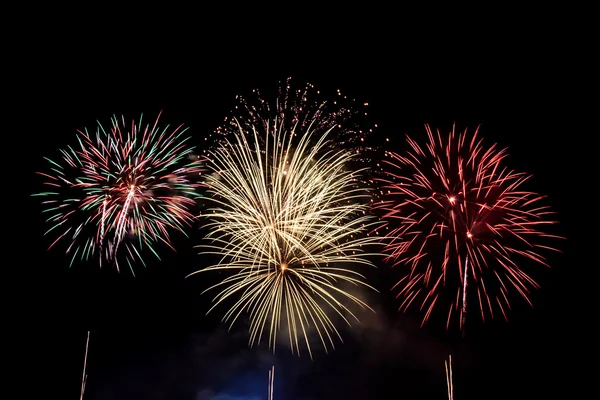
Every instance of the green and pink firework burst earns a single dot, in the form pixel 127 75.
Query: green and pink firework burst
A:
pixel 121 191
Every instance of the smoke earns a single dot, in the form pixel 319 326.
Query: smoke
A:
pixel 219 365
pixel 208 394
pixel 227 368
pixel 396 339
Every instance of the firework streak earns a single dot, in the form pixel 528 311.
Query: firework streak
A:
pixel 121 191
pixel 461 222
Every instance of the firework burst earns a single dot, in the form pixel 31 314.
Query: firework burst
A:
pixel 121 191
pixel 289 221
pixel 462 225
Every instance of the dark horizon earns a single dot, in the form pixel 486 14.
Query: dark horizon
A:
pixel 149 335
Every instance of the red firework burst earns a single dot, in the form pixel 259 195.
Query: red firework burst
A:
pixel 461 222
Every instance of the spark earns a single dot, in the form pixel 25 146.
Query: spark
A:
pixel 300 109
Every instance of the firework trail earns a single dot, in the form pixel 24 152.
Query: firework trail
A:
pixel 449 380
pixel 271 383
pixel 121 191
pixel 84 377
pixel 462 224
pixel 288 221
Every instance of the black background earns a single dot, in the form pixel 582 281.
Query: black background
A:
pixel 150 338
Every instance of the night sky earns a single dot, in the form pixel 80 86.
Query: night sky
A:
pixel 150 338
